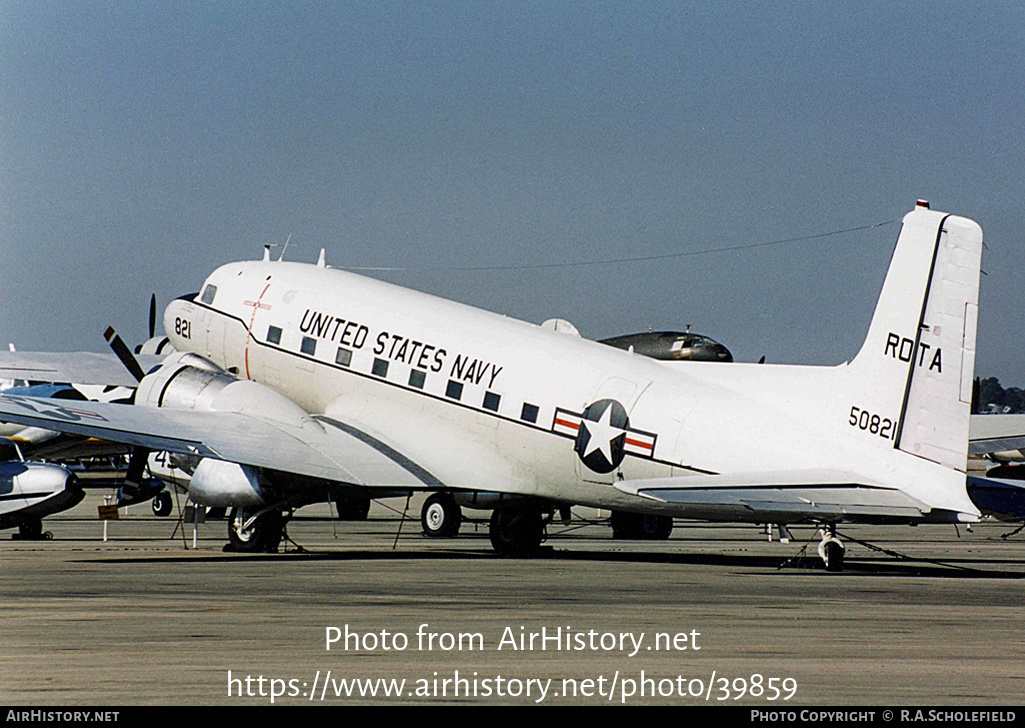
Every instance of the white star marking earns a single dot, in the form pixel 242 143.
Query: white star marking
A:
pixel 55 411
pixel 601 434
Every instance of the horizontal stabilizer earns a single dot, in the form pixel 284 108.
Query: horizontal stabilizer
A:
pixel 996 433
pixel 782 496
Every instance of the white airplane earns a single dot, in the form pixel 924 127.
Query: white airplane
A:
pixel 292 379
pixel 31 491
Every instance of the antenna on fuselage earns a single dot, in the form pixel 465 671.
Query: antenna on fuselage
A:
pixel 268 246
pixel 285 247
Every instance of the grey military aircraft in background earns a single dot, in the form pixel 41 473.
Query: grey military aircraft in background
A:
pixel 672 346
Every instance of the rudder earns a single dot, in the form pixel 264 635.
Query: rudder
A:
pixel 916 366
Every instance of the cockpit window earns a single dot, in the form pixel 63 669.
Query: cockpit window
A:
pixel 208 294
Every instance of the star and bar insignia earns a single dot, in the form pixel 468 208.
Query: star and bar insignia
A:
pixel 47 407
pixel 602 435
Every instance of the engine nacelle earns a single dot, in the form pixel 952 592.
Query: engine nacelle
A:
pixel 218 483
pixel 190 382
pixel 183 381
pixel 187 381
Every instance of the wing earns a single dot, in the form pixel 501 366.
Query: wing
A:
pixel 995 433
pixel 777 496
pixel 324 448
pixel 79 367
pixel 38 444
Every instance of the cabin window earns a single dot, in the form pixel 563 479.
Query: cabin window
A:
pixel 417 378
pixel 273 335
pixel 309 346
pixel 491 401
pixel 454 389
pixel 208 294
pixel 343 357
pixel 380 368
pixel 529 413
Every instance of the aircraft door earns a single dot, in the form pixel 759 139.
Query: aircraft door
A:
pixel 665 411
pixel 245 346
pixel 215 326
pixel 203 331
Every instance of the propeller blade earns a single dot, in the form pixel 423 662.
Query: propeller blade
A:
pixel 137 465
pixel 123 353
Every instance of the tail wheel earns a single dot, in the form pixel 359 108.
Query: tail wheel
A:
pixel 831 549
pixel 517 530
pixel 262 534
pixel 834 553
pixel 441 516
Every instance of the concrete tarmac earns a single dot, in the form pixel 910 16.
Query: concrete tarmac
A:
pixel 715 615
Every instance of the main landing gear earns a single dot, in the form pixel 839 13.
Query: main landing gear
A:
pixel 252 530
pixel 32 530
pixel 831 550
pixel 517 530
pixel 647 527
pixel 441 516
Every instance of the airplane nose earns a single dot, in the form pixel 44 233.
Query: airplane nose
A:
pixel 175 314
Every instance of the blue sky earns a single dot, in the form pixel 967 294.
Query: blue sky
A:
pixel 142 144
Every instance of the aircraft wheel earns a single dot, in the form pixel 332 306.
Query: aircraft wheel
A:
pixel 648 527
pixel 352 507
pixel 834 556
pixel 832 553
pixel 263 535
pixel 655 528
pixel 624 525
pixel 31 530
pixel 517 530
pixel 162 504
pixel 441 516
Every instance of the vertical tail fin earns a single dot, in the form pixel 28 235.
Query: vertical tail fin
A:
pixel 915 368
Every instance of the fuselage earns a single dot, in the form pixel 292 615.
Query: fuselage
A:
pixel 486 402
pixel 30 491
